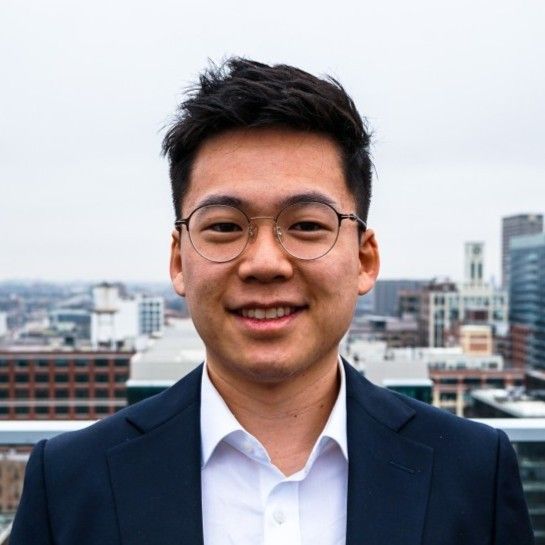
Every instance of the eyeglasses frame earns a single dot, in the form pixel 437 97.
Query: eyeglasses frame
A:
pixel 340 217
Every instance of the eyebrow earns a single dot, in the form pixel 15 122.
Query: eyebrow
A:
pixel 230 200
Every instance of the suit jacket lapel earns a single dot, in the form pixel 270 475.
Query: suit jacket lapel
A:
pixel 389 475
pixel 156 477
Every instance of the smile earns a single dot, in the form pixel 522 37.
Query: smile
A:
pixel 267 313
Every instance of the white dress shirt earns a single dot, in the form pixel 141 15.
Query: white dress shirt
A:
pixel 246 500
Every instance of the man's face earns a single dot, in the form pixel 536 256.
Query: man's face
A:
pixel 262 168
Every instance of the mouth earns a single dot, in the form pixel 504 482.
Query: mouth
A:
pixel 268 312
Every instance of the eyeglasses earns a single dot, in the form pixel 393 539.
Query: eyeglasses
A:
pixel 306 230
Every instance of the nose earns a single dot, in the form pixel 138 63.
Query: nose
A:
pixel 264 259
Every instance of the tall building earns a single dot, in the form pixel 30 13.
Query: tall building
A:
pixel 527 297
pixel 514 226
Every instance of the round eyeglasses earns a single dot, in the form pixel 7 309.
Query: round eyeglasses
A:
pixel 306 230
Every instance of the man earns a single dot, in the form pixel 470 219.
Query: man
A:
pixel 274 439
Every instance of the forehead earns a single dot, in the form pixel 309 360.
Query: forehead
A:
pixel 264 167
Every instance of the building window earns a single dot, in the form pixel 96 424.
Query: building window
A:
pixel 21 377
pixel 21 410
pixel 82 378
pixel 101 377
pixel 62 409
pixel 62 377
pixel 102 393
pixel 101 362
pixel 61 393
pixel 40 377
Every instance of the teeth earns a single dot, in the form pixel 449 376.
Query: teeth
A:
pixel 266 314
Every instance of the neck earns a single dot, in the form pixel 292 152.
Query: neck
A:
pixel 287 418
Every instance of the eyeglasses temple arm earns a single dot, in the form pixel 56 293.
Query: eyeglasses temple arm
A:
pixel 353 217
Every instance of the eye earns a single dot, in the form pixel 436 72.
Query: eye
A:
pixel 306 226
pixel 224 227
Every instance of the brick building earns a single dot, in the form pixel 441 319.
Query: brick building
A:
pixel 62 385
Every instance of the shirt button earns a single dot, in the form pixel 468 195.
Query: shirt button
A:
pixel 279 516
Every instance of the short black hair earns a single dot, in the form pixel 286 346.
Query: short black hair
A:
pixel 242 93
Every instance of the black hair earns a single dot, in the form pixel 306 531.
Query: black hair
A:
pixel 242 93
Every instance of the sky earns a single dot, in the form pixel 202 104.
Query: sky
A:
pixel 453 91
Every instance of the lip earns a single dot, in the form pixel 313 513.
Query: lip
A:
pixel 266 324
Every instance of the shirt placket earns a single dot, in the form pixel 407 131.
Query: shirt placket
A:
pixel 281 520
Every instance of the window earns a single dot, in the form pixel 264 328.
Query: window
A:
pixel 101 393
pixel 62 409
pixel 61 393
pixel 82 393
pixel 101 362
pixel 101 377
pixel 21 410
pixel 82 378
pixel 20 377
pixel 62 377
pixel 41 377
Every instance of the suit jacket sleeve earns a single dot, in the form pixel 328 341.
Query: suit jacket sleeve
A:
pixel 31 524
pixel 512 522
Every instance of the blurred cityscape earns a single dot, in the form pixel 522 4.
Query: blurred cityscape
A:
pixel 73 353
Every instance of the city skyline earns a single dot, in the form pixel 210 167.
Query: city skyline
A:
pixel 452 92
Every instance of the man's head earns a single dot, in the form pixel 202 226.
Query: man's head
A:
pixel 244 94
pixel 277 306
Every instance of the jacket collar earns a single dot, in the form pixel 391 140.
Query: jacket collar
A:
pixel 156 476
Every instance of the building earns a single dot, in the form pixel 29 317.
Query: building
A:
pixel 527 295
pixel 448 374
pixel 167 358
pixel 446 306
pixel 476 339
pixel 62 384
pixel 386 295
pixel 390 368
pixel 119 320
pixel 396 332
pixel 506 403
pixel 514 226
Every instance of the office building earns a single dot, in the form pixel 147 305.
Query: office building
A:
pixel 527 295
pixel 514 226
pixel 62 384
pixel 386 295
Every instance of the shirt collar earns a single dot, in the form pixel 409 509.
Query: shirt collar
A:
pixel 217 420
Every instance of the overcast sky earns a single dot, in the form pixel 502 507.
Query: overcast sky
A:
pixel 454 91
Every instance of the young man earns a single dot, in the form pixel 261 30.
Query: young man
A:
pixel 275 439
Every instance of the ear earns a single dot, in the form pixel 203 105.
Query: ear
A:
pixel 176 274
pixel 369 262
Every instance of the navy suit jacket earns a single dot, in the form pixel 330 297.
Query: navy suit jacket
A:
pixel 417 475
